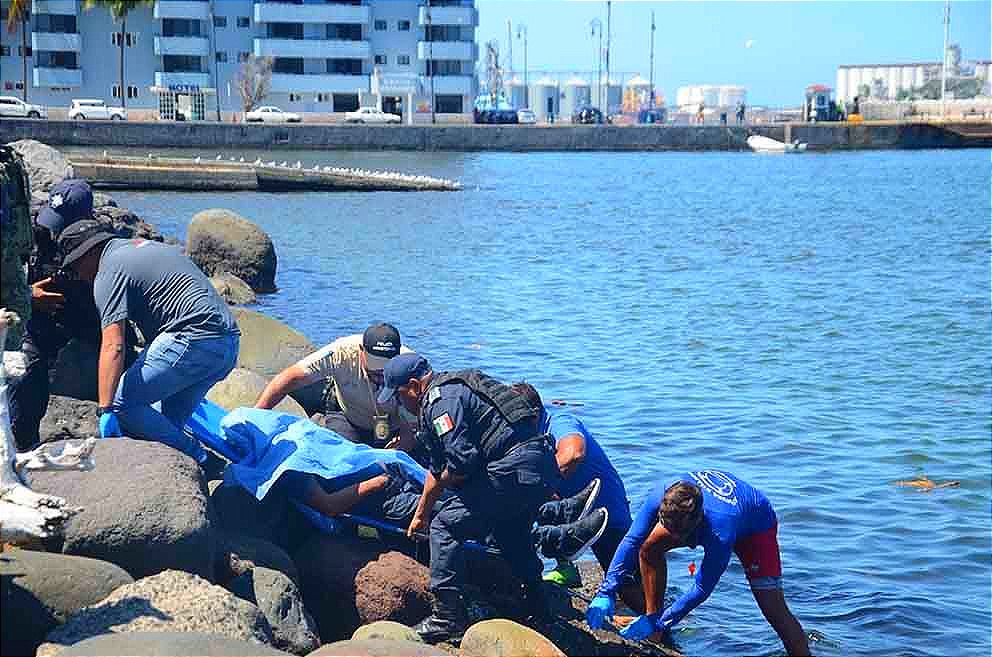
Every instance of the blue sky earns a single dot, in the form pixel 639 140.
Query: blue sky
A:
pixel 793 44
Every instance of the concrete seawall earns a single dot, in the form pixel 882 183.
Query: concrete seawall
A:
pixel 207 136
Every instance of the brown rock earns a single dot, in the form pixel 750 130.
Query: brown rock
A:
pixel 242 388
pixel 505 638
pixel 389 630
pixel 377 648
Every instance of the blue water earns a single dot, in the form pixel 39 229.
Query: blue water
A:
pixel 818 325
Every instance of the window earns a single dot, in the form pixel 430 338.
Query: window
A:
pixel 293 65
pixel 24 52
pixel 443 67
pixel 220 21
pixel 295 98
pixel 381 60
pixel 403 60
pixel 132 91
pixel 344 31
pixel 345 102
pixel 381 26
pixel 4 51
pixel 344 66
pixel 58 23
pixel 221 57
pixel 130 39
pixel 180 27
pixel 181 64
pixel 57 59
pixel 444 33
pixel 244 21
pixel 323 98
pixel 285 30
pixel 403 26
pixel 244 56
pixel 448 104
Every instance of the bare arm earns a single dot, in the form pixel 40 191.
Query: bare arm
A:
pixel 570 452
pixel 433 487
pixel 289 380
pixel 111 362
pixel 341 501
pixel 654 569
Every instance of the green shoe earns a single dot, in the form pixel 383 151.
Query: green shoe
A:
pixel 564 574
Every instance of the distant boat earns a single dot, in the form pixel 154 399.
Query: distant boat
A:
pixel 760 144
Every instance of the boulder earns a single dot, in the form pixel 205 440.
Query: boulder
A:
pixel 242 387
pixel 75 371
pixel 126 223
pixel 171 601
pixel 389 630
pixel 393 587
pixel 277 597
pixel 165 644
pixel 232 289
pixel 268 347
pixel 45 165
pixel 220 240
pixel 144 508
pixel 378 648
pixel 273 520
pixel 505 638
pixel 258 551
pixel 69 419
pixel 40 590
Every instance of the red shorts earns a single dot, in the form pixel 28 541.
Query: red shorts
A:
pixel 759 554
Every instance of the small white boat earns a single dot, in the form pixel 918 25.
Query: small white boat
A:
pixel 760 144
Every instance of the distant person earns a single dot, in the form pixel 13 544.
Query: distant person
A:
pixel 724 515
pixel 723 118
pixel 740 112
pixel 192 339
pixel 699 114
pixel 352 367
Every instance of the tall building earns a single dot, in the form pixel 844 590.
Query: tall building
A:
pixel 327 55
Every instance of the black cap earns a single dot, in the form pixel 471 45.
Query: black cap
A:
pixel 68 202
pixel 380 343
pixel 399 371
pixel 77 239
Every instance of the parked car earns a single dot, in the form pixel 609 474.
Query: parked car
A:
pixel 526 116
pixel 87 108
pixel 11 106
pixel 271 114
pixel 371 115
pixel 587 116
pixel 495 116
pixel 653 115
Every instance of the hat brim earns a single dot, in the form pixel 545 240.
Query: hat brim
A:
pixel 52 220
pixel 81 250
pixel 375 363
pixel 386 394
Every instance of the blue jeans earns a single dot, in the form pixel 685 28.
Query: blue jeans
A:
pixel 176 371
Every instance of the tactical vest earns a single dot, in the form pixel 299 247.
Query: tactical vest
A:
pixel 499 398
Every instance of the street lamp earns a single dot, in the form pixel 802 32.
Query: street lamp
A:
pixel 522 33
pixel 596 28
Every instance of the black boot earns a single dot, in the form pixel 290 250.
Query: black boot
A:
pixel 536 611
pixel 448 622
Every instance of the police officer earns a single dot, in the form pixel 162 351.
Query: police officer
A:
pixel 61 308
pixel 485 450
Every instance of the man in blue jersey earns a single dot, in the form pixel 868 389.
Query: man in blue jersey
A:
pixel 724 515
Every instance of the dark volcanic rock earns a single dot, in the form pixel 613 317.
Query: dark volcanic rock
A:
pixel 45 166
pixel 277 597
pixel 256 550
pixel 69 419
pixel 165 644
pixel 220 240
pixel 126 223
pixel 232 289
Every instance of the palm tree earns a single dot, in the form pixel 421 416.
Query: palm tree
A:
pixel 119 9
pixel 20 11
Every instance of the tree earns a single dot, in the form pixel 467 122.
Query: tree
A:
pixel 119 9
pixel 254 81
pixel 20 12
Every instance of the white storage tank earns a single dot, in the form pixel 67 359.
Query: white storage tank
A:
pixel 577 95
pixel 613 93
pixel 544 99
pixel 516 93
pixel 841 83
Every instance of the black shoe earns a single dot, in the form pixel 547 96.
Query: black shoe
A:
pixel 580 535
pixel 578 506
pixel 448 622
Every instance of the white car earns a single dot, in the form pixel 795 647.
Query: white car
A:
pixel 271 114
pixel 526 117
pixel 11 106
pixel 371 115
pixel 87 108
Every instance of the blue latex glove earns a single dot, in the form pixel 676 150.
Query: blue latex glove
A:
pixel 599 610
pixel 639 629
pixel 109 427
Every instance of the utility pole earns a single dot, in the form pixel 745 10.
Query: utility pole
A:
pixel 609 33
pixel 509 47
pixel 651 102
pixel 943 69
pixel 596 28
pixel 430 62
pixel 213 48
pixel 522 30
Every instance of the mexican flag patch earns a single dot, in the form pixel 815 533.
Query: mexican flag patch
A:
pixel 443 425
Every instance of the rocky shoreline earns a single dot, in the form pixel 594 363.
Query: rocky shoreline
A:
pixel 163 561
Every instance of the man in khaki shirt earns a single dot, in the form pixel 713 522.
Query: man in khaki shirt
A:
pixel 354 363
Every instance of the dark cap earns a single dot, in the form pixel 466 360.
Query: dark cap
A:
pixel 77 239
pixel 68 202
pixel 380 343
pixel 399 371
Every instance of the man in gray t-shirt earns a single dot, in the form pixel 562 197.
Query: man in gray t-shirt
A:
pixel 192 339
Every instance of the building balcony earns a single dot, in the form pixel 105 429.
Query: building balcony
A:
pixel 182 46
pixel 61 7
pixel 457 50
pixel 194 9
pixel 464 16
pixel 463 85
pixel 58 77
pixel 319 83
pixel 180 79
pixel 56 41
pixel 312 48
pixel 281 12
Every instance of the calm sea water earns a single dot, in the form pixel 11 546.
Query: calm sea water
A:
pixel 818 325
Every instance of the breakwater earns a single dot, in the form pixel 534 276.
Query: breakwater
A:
pixel 822 136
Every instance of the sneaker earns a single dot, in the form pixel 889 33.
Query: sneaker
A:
pixel 582 503
pixel 580 535
pixel 564 574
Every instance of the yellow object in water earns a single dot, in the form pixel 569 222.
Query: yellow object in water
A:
pixel 926 485
pixel 855 118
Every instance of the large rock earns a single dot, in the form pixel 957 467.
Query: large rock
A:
pixel 268 347
pixel 277 597
pixel 505 638
pixel 378 648
pixel 126 223
pixel 242 387
pixel 46 166
pixel 256 550
pixel 171 601
pixel 144 508
pixel 69 419
pixel 393 587
pixel 40 590
pixel 273 520
pixel 389 630
pixel 232 289
pixel 166 644
pixel 220 240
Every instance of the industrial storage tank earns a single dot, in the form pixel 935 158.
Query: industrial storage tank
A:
pixel 612 92
pixel 544 99
pixel 732 95
pixel 516 93
pixel 637 94
pixel 577 95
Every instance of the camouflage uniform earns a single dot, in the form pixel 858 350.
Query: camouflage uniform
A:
pixel 16 241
